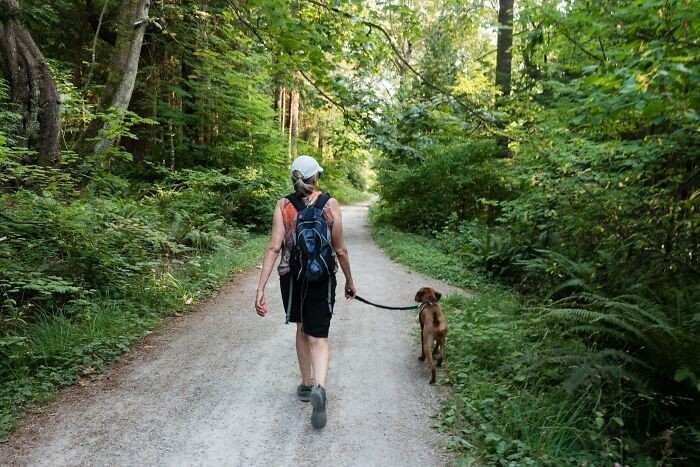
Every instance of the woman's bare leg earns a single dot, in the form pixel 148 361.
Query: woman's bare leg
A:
pixel 320 354
pixel 304 357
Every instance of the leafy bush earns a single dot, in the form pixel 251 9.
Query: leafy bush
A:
pixel 643 347
pixel 582 379
pixel 615 205
pixel 505 408
pixel 245 197
pixel 449 180
pixel 85 271
pixel 81 279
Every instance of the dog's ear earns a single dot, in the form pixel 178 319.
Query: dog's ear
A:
pixel 419 295
pixel 437 295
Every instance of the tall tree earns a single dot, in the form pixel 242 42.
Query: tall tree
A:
pixel 504 46
pixel 132 23
pixel 293 122
pixel 32 88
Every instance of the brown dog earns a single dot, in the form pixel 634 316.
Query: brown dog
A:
pixel 433 328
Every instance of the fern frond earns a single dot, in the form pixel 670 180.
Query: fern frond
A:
pixel 593 329
pixel 573 314
pixel 581 298
pixel 588 316
pixel 653 312
pixel 571 283
pixel 625 357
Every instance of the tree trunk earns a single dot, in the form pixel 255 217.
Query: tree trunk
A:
pixel 289 126
pixel 31 84
pixel 294 123
pixel 504 59
pixel 321 140
pixel 133 20
pixel 280 110
pixel 504 46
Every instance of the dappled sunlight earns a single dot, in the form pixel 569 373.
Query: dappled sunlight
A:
pixel 542 155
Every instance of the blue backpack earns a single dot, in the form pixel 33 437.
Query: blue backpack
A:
pixel 311 257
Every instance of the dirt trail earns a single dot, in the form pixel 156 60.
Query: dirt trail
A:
pixel 218 387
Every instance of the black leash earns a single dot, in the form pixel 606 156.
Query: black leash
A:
pixel 358 298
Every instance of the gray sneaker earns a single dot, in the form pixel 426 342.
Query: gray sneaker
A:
pixel 318 401
pixel 304 392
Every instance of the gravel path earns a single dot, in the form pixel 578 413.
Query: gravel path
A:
pixel 218 386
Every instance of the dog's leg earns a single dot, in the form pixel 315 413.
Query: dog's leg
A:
pixel 429 356
pixel 441 348
pixel 422 350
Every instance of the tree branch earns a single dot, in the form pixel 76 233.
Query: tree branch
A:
pixel 602 49
pixel 581 47
pixel 485 54
pixel 402 59
pixel 103 33
pixel 255 30
pixel 94 45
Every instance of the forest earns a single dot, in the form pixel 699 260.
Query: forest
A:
pixel 545 154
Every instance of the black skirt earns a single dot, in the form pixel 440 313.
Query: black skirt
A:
pixel 311 304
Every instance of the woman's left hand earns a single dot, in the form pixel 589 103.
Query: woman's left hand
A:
pixel 260 305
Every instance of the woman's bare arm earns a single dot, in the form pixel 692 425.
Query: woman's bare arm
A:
pixel 271 253
pixel 341 250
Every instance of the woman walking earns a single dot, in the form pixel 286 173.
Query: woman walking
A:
pixel 308 292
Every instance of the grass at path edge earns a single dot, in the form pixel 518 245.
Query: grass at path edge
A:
pixel 422 255
pixel 498 410
pixel 60 349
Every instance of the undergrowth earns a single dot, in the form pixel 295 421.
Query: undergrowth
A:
pixel 510 370
pixel 65 345
pixel 423 255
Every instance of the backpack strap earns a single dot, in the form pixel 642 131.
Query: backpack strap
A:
pixel 322 200
pixel 298 204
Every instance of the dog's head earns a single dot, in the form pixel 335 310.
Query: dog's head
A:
pixel 426 294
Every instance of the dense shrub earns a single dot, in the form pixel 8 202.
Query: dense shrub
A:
pixel 449 180
pixel 591 211
pixel 84 273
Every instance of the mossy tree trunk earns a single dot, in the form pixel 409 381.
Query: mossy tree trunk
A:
pixel 504 46
pixel 504 60
pixel 132 23
pixel 31 85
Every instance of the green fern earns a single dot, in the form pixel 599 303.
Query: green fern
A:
pixel 636 342
pixel 595 330
pixel 584 315
pixel 571 284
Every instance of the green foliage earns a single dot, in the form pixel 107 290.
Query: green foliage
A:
pixel 580 190
pixel 421 253
pixel 8 121
pixel 503 411
pixel 344 192
pixel 246 198
pixel 79 339
pixel 654 341
pixel 509 401
pixel 447 180
pixel 95 249
pixel 593 214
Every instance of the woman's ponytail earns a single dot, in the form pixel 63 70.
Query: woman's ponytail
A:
pixel 303 188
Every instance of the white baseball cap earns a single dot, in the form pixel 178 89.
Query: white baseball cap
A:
pixel 307 165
